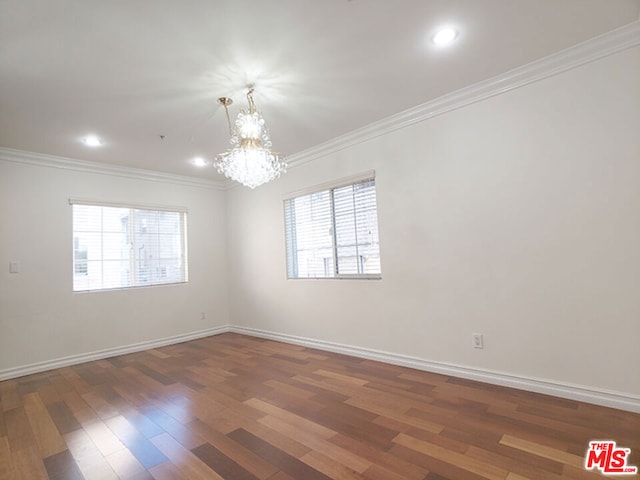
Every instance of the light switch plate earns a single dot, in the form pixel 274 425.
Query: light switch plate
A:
pixel 14 267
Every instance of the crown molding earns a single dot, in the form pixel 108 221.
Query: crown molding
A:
pixel 84 166
pixel 598 47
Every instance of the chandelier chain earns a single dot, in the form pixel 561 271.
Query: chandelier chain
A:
pixel 252 104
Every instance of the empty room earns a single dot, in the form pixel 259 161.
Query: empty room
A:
pixel 331 239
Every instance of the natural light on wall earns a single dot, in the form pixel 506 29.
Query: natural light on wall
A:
pixel 120 246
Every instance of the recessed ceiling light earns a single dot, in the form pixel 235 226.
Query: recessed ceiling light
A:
pixel 200 162
pixel 444 36
pixel 92 141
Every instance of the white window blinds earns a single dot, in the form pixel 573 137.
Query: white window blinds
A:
pixel 333 232
pixel 121 247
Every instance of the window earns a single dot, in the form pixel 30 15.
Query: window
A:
pixel 117 246
pixel 333 233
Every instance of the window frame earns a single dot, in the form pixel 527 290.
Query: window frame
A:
pixel 331 187
pixel 183 211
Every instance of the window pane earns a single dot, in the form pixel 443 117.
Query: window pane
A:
pixel 115 274
pixel 87 218
pixel 309 224
pixel 333 228
pixel 80 255
pixel 366 218
pixel 114 246
pixel 114 219
pixel 346 232
pixel 169 222
pixel 125 247
pixel 92 279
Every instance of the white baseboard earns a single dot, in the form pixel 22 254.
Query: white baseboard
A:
pixel 619 400
pixel 106 353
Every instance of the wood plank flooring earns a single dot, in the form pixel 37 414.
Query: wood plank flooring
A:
pixel 235 407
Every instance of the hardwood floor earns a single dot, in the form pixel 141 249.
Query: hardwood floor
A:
pixel 242 408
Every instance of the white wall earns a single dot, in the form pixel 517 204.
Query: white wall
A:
pixel 517 217
pixel 41 319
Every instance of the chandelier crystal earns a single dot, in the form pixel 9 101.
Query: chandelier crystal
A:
pixel 250 161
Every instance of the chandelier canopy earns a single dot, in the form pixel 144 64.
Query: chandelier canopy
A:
pixel 250 161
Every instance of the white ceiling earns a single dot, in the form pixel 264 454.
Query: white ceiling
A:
pixel 130 71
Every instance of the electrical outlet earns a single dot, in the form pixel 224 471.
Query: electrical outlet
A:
pixel 476 340
pixel 203 316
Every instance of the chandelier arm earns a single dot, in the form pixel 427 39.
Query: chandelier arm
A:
pixel 226 109
pixel 225 102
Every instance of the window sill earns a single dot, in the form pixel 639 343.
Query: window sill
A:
pixel 341 277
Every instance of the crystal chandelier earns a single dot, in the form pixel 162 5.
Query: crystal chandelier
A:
pixel 251 161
